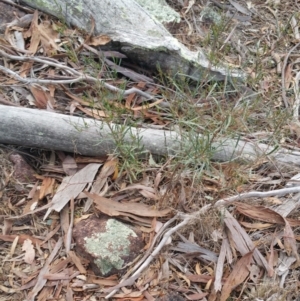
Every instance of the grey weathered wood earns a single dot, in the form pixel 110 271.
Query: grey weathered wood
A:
pixel 39 128
pixel 137 33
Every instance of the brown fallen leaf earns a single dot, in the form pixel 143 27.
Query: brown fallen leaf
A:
pixel 130 98
pixel 97 114
pixel 78 219
pixel 51 234
pixel 109 168
pixel 71 186
pixel 200 278
pixel 47 187
pixel 146 191
pixel 243 242
pixel 61 265
pixel 65 221
pixel 42 33
pixel 133 296
pixel 69 165
pixel 76 98
pixel 264 214
pixel 61 276
pixel 8 290
pixel 49 37
pixel 139 187
pixel 77 262
pixel 288 75
pixel 22 238
pixel 113 208
pixel 196 296
pixel 40 96
pixel 256 226
pixel 29 251
pixel 99 40
pixel 147 106
pixel 138 220
pixel 106 282
pixel 149 195
pixel 33 203
pixel 239 273
pixel 290 245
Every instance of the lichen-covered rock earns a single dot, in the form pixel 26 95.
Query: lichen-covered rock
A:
pixel 107 243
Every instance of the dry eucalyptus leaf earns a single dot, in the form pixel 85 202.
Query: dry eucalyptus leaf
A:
pixel 29 251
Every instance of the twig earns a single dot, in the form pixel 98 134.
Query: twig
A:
pixel 42 60
pixel 229 36
pixel 39 81
pixel 79 76
pixel 256 194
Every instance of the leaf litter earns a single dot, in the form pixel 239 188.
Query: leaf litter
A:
pixel 256 239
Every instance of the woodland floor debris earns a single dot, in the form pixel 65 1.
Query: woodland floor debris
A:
pixel 244 246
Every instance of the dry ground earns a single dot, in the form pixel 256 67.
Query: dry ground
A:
pixel 261 38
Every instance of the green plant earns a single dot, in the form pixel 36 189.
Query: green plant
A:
pixel 129 149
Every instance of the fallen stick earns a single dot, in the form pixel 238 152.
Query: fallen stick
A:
pixel 75 76
pixel 86 136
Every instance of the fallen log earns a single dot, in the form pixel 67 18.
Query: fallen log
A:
pixel 139 33
pixel 86 136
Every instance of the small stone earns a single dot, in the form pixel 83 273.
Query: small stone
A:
pixel 23 172
pixel 109 245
